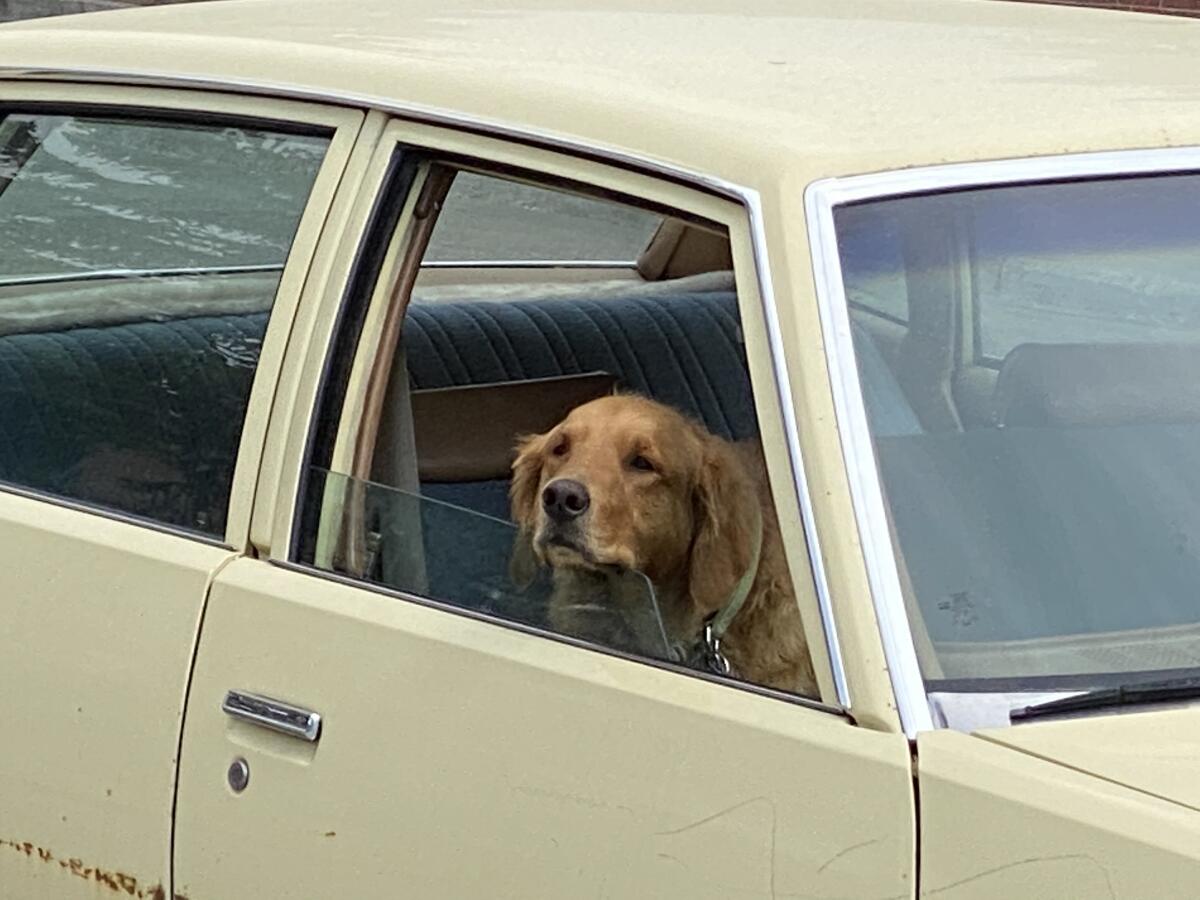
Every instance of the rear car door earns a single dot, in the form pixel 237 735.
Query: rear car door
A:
pixel 374 708
pixel 152 245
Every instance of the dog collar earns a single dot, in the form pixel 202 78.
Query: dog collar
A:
pixel 715 628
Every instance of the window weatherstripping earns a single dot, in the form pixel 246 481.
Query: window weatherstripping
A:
pixel 528 264
pixel 821 198
pixel 115 274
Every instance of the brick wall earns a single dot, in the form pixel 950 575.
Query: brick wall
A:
pixel 1170 7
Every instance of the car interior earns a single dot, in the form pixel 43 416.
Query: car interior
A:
pixel 487 352
pixel 1043 494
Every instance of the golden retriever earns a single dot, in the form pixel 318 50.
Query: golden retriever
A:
pixel 627 484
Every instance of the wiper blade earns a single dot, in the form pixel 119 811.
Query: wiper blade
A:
pixel 1122 695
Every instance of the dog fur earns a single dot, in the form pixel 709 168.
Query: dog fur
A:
pixel 666 498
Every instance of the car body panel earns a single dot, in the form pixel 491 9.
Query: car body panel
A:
pixel 459 758
pixel 598 767
pixel 1000 824
pixel 803 68
pixel 272 526
pixel 93 717
pixel 462 757
pixel 1155 751
pixel 91 720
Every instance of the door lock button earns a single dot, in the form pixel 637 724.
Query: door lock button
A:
pixel 239 775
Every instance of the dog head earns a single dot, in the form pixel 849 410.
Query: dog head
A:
pixel 627 484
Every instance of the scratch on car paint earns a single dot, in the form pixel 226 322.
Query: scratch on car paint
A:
pixel 115 881
pixel 569 797
pixel 829 862
pixel 1112 894
pixel 732 809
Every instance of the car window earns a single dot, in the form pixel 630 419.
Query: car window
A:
pixel 1058 536
pixel 138 264
pixel 491 220
pixel 576 458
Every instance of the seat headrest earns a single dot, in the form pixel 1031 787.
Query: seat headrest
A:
pixel 470 433
pixel 1098 384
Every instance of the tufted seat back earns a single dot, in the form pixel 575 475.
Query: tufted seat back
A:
pixel 144 416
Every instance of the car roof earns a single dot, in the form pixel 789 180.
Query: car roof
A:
pixel 780 91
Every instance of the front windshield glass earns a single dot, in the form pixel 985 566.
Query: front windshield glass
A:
pixel 1030 363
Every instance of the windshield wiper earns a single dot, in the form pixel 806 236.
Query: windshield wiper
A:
pixel 1122 695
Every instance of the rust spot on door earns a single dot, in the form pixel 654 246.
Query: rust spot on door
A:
pixel 118 882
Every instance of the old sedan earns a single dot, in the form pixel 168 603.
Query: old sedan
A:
pixel 282 282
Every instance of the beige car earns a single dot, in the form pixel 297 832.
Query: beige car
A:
pixel 281 283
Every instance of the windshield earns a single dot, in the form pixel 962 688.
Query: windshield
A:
pixel 1030 363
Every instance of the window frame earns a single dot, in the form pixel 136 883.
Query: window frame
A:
pixel 648 184
pixel 340 126
pixel 820 200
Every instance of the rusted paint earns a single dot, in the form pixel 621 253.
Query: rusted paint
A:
pixel 118 882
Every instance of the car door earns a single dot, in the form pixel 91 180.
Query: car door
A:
pixel 412 733
pixel 152 244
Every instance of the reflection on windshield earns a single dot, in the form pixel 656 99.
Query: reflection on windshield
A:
pixel 423 546
pixel 1042 470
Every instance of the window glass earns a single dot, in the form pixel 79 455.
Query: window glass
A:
pixel 138 263
pixel 873 264
pixel 81 195
pixel 1077 262
pixel 504 477
pixel 491 220
pixel 1057 537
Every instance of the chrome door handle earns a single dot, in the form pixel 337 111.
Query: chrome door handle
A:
pixel 274 714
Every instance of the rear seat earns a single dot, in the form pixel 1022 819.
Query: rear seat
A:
pixel 109 415
pixel 1076 513
pixel 128 394
pixel 682 349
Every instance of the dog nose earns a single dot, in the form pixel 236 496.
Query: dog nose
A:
pixel 565 499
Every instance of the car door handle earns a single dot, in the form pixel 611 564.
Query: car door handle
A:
pixel 274 714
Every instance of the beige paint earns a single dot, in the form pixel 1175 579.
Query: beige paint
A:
pixel 999 824
pixel 304 360
pixel 1147 749
pixel 824 87
pixel 463 759
pixel 100 619
pixel 858 629
pixel 634 185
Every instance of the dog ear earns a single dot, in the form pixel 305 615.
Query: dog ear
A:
pixel 725 501
pixel 523 495
pixel 526 479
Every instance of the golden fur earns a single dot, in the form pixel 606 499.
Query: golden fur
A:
pixel 670 500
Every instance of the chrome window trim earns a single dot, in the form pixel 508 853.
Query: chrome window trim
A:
pixel 529 264
pixel 112 274
pixel 748 198
pixel 820 199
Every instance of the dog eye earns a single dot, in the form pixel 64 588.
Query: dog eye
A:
pixel 640 462
pixel 560 449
